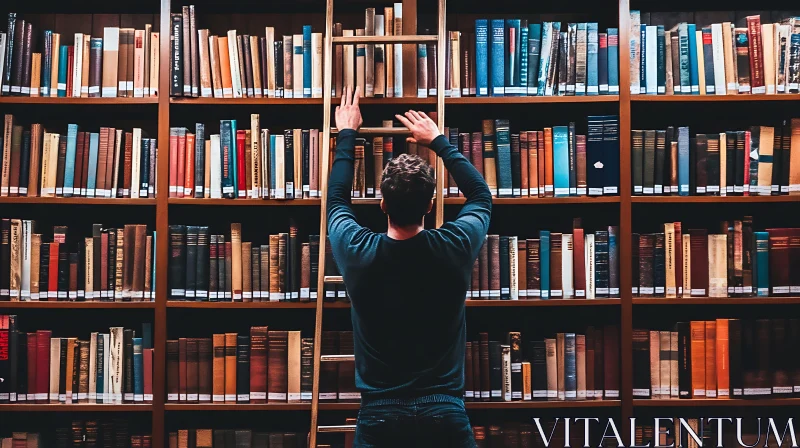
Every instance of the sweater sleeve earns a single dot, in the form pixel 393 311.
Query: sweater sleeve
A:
pixel 467 232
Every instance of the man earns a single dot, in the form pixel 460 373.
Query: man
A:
pixel 407 288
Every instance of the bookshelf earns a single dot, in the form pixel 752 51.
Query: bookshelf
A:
pixel 628 209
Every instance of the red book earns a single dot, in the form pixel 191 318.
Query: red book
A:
pixel 70 68
pixel 698 244
pixel 188 181
pixel 523 163
pixel 52 281
pixel 746 163
pixel 542 156
pixel 180 162
pixel 241 172
pixel 578 260
pixel 756 55
pixel 33 349
pixel 148 375
pixel 42 365
pixel 258 364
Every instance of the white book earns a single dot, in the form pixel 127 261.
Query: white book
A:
pixel 513 267
pixel 784 33
pixel 671 290
pixel 110 55
pixel 115 365
pixel 117 157
pixel 2 60
pixel 216 165
pixel 398 51
pixel 651 60
pixel 768 47
pixel 567 284
pixel 55 368
pixel 233 54
pixel 717 48
pixel 77 69
pixel 316 65
pixel 93 367
pixel 136 162
pixel 588 248
pixel 633 45
pixel 280 173
pixel 270 81
pixel 106 368
pixel 53 164
pixel 297 65
pixel 25 246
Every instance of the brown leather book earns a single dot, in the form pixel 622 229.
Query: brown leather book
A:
pixel 16 156
pixel 329 371
pixel 578 263
pixel 218 368
pixel 230 367
pixel 236 261
pixel 247 273
pixel 483 261
pixel 698 240
pixel 246 59
pixel 182 369
pixel 277 376
pixel 265 272
pixel 523 164
pixel 698 350
pixel 192 370
pixel 555 266
pixel 484 367
pixel 476 151
pixel 122 64
pixel 580 163
pixel 140 241
pixel 258 364
pixel 711 358
pixel 476 371
pixel 590 363
pixel 84 164
pixel 62 158
pixel 306 369
pixel 126 188
pixel 305 272
pixel 83 376
pixel 194 53
pixel 610 362
pixel 205 372
pixel 205 61
pixel 102 160
pixel 186 25
pixel 522 271
pixel 35 160
pixel 108 170
pixel 468 371
pixel 71 370
pixel 560 368
pixel 36 74
pixel 347 372
pixel 243 73
pixel 493 245
pixel 532 265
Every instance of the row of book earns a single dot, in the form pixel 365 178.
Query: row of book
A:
pixel 108 368
pixel 114 264
pixel 234 438
pixel 720 359
pixel 259 367
pixel 718 59
pixel 736 262
pixel 111 433
pixel 96 163
pixel 553 266
pixel 220 267
pixel 565 367
pixel 517 58
pixel 753 162
pixel 124 62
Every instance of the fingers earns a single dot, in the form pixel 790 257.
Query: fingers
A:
pixel 411 118
pixel 346 101
pixel 357 96
pixel 337 110
pixel 416 115
pixel 404 121
pixel 344 95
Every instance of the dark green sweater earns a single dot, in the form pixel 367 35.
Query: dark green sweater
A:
pixel 408 296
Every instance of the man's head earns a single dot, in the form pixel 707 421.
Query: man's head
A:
pixel 407 188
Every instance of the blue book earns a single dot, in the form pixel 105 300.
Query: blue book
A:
pixel 307 61
pixel 138 370
pixel 580 75
pixel 592 44
pixel 595 167
pixel 101 371
pixel 272 166
pixel 534 45
pixel 94 146
pixel 561 161
pixel 611 154
pixel 422 53
pixel 544 59
pixel 69 164
pixel 762 264
pixel 47 63
pixel 62 71
pixel 694 77
pixel 683 161
pixel 613 61
pixel 544 262
pixel 497 58
pixel 570 369
pixel 683 41
pixel 481 57
pixel 643 59
pixel 523 58
pixel 233 159
pixel 226 142
pixel 613 261
pixel 503 144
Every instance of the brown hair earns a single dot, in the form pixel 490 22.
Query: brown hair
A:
pixel 407 187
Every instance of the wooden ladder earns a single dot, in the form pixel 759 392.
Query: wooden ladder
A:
pixel 322 279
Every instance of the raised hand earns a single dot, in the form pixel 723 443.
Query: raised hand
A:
pixel 423 129
pixel 348 115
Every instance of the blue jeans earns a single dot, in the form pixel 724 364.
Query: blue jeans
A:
pixel 432 421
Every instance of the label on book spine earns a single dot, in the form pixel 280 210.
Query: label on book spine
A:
pixel 294 397
pixel 240 397
pixel 128 397
pixel 230 397
pixel 596 191
pixel 305 293
pixel 217 398
pixel 247 295
pixel 276 396
pixel 140 397
pixel 328 396
pixel 469 394
pixel 580 293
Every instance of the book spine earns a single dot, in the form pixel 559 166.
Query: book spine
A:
pixel 613 61
pixel 756 49
pixel 497 58
pixel 592 55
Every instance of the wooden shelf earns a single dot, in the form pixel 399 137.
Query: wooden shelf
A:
pixel 245 202
pixel 85 407
pixel 719 301
pixel 87 101
pixel 713 98
pixel 711 199
pixel 477 303
pixel 78 305
pixel 532 99
pixel 346 305
pixel 403 100
pixel 241 305
pixel 542 201
pixel 237 407
pixel 543 404
pixel 713 402
pixel 78 201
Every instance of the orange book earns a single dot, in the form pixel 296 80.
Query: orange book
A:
pixel 230 367
pixel 540 160
pixel 188 178
pixel 533 165
pixel 711 359
pixel 697 329
pixel 225 67
pixel 548 163
pixel 723 360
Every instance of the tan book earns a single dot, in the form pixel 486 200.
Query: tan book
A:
pixel 236 261
pixel 730 58
pixel 275 293
pixel 297 65
pixel 123 61
pixel 269 83
pixel 671 290
pixel 247 272
pixel 215 66
pixel 207 177
pixel 552 369
pixel 580 365
pixel 348 55
pixel 118 158
pixel 369 54
pixel 258 89
pixel 155 45
pixel 36 73
pixel 45 168
pixel 701 70
pixel 230 367
pixel 664 364
pixel 218 369
pixel 15 240
pixel 55 60
pixel 35 161
pixel 55 369
pixel 111 61
pixel 83 373
pixel 85 60
pixel 294 367
pixel 316 65
pixel 668 63
pixel 360 63
pixel 380 59
pixel 265 164
pixel 225 67
pixel 560 359
pixel 36 245
pixel 718 265
pixel 401 52
pixel 205 67
pixel 765 151
pixel 388 53
pixel 297 137
pixel 768 52
pixel 527 394
pixel 70 370
pixel 454 58
pixel 148 58
pixel 148 268
pixel 255 156
pixel 138 63
pixel 88 267
pixel 119 266
pixel 687 265
pixel 233 60
pixel 655 365
pixel 794 158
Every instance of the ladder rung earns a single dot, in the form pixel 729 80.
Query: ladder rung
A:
pixel 337 358
pixel 338 428
pixel 409 39
pixel 333 279
pixel 379 131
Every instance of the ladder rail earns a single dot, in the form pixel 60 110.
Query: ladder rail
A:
pixel 440 55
